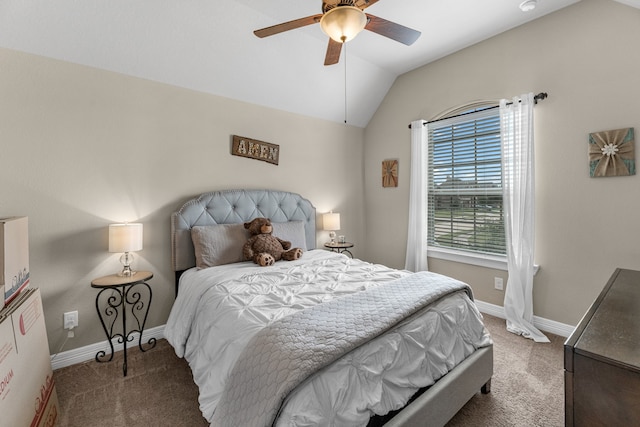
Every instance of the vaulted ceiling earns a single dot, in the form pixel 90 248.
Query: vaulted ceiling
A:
pixel 209 46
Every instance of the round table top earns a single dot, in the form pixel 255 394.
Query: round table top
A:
pixel 337 245
pixel 117 280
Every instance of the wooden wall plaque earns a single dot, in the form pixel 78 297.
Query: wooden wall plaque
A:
pixel 390 173
pixel 254 149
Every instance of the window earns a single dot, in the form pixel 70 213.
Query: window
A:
pixel 465 183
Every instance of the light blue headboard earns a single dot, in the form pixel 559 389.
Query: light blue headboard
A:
pixel 232 207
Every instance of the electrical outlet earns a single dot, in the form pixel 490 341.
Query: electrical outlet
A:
pixel 71 319
pixel 497 283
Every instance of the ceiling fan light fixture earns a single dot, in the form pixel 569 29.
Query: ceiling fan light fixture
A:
pixel 528 5
pixel 343 23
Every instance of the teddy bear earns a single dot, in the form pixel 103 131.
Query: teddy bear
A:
pixel 265 249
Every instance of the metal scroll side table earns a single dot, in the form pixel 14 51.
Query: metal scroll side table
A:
pixel 340 247
pixel 129 295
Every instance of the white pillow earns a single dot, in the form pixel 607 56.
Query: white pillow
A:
pixel 292 231
pixel 218 244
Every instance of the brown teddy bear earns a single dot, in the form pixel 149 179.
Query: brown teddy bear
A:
pixel 265 249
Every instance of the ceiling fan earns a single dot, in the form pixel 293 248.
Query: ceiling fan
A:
pixel 342 20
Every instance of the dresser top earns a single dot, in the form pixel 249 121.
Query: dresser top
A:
pixel 611 328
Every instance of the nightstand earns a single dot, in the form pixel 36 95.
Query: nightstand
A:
pixel 125 296
pixel 340 247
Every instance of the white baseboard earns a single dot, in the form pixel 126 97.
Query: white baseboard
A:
pixel 541 323
pixel 82 354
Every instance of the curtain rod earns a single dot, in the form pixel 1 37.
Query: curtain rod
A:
pixel 538 97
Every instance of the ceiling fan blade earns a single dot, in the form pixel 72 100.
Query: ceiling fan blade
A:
pixel 286 26
pixel 394 31
pixel 363 4
pixel 333 52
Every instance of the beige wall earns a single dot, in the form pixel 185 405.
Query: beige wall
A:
pixel 586 58
pixel 82 148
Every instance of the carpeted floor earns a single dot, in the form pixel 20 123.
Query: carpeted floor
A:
pixel 527 388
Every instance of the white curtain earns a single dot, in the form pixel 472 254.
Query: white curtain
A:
pixel 416 258
pixel 516 120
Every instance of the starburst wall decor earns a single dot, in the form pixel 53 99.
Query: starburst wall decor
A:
pixel 612 153
pixel 390 173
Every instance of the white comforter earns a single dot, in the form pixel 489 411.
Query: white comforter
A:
pixel 219 309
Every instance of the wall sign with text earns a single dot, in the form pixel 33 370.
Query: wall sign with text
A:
pixel 254 149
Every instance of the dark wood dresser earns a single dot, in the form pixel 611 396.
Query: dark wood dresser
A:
pixel 602 358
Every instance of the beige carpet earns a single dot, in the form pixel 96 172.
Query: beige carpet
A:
pixel 527 388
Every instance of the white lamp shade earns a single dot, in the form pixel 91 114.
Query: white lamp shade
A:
pixel 125 237
pixel 331 221
pixel 343 23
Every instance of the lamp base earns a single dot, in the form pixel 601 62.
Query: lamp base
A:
pixel 126 272
pixel 126 259
pixel 332 236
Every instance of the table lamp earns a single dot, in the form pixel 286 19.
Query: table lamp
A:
pixel 125 238
pixel 331 223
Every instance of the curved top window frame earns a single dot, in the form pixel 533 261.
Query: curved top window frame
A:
pixel 467 108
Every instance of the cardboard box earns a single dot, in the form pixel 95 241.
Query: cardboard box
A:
pixel 27 389
pixel 14 257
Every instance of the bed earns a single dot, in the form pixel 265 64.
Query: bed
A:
pixel 266 344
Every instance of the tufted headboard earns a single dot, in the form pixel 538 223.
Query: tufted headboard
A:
pixel 232 207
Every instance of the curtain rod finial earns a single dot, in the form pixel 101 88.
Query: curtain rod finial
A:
pixel 540 97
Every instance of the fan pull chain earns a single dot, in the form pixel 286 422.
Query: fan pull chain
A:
pixel 345 81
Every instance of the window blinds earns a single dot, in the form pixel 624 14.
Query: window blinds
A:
pixel 465 183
